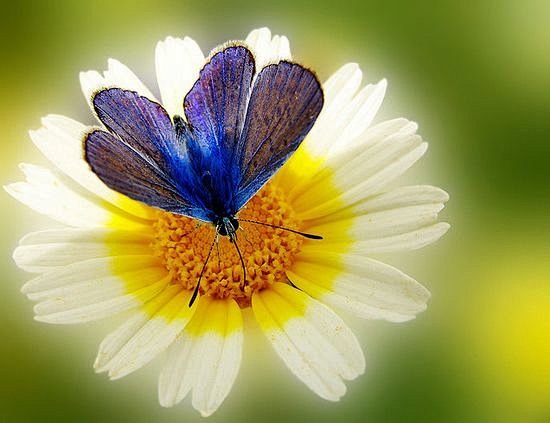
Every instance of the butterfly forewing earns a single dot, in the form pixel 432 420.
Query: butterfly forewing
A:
pixel 216 105
pixel 284 104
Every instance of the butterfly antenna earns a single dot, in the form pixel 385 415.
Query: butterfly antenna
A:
pixel 233 239
pixel 197 286
pixel 304 234
pixel 218 250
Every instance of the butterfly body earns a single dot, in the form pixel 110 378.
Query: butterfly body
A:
pixel 240 126
pixel 214 178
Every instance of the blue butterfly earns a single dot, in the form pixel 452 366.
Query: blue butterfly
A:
pixel 239 129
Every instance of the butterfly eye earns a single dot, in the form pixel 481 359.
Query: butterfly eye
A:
pixel 221 229
pixel 235 223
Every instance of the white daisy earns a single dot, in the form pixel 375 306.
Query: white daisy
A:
pixel 116 254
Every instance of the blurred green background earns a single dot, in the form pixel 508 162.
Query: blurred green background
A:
pixel 475 75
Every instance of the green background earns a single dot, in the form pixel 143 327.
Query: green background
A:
pixel 475 75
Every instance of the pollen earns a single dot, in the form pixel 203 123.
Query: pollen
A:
pixel 183 244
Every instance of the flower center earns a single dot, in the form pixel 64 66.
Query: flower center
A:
pixel 183 245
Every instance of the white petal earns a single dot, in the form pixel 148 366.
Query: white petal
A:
pixel 45 250
pixel 44 257
pixel 98 310
pixel 116 75
pixel 168 315
pixel 204 362
pixel 338 92
pixel 280 49
pixel 387 135
pixel 385 129
pixel 151 339
pixel 305 177
pixel 266 49
pixel 259 41
pixel 360 114
pixel 405 201
pixel 95 288
pixel 403 242
pixel 60 140
pixel 94 272
pixel 90 83
pixel 216 381
pixel 366 287
pixel 363 175
pixel 330 147
pixel 181 369
pixel 380 224
pixel 402 197
pixel 314 342
pixel 113 343
pixel 178 63
pixel 46 194
pixel 84 235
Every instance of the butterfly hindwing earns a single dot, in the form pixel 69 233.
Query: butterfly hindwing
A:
pixel 140 156
pixel 126 171
pixel 285 101
pixel 139 122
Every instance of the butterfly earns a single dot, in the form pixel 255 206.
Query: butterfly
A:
pixel 240 127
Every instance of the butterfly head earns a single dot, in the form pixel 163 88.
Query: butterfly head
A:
pixel 227 226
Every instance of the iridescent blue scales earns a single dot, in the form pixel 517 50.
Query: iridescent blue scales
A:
pixel 239 128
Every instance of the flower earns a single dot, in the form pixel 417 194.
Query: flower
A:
pixel 116 254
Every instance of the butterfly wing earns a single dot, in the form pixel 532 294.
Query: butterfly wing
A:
pixel 215 106
pixel 237 135
pixel 215 109
pixel 284 103
pixel 141 156
pixel 241 132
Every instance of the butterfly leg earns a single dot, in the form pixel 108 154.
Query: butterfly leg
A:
pixel 218 249
pixel 197 286
pixel 233 239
